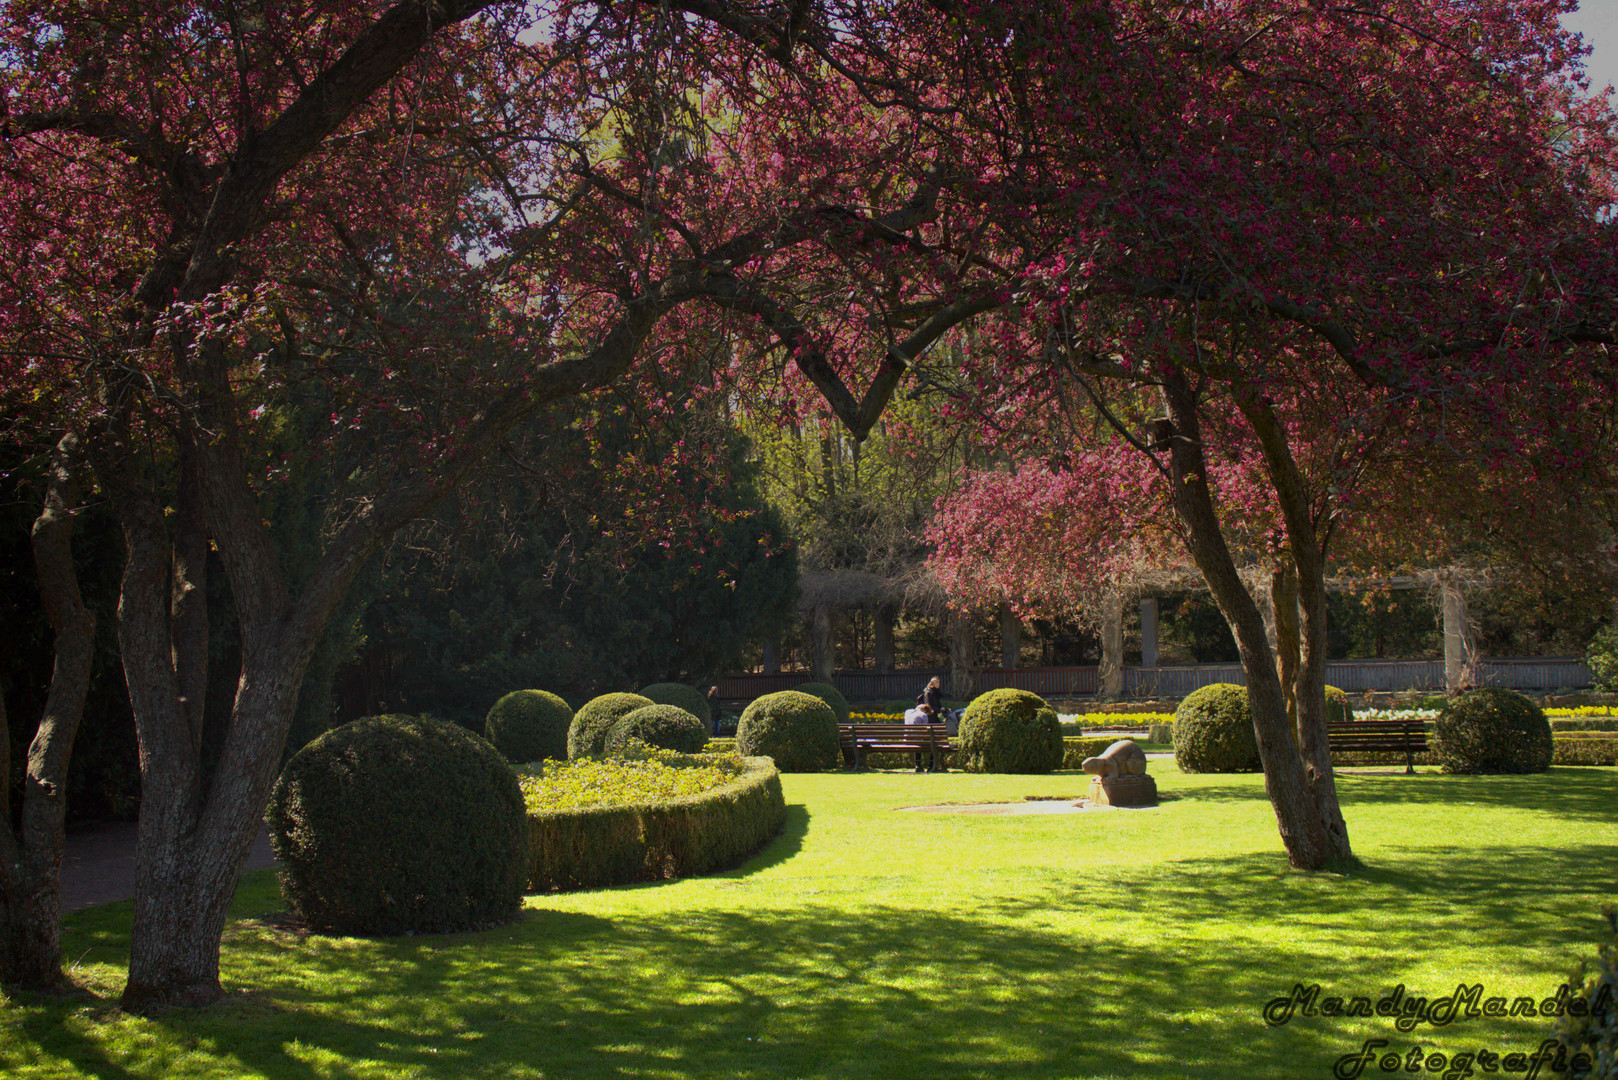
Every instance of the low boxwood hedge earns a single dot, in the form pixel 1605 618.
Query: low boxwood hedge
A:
pixel 1583 723
pixel 598 846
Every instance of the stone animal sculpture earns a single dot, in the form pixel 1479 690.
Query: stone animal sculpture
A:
pixel 1122 758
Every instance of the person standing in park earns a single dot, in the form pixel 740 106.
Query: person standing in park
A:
pixel 933 697
pixel 713 707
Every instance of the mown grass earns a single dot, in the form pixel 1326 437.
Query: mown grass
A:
pixel 868 942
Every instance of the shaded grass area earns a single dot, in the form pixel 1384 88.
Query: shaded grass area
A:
pixel 869 943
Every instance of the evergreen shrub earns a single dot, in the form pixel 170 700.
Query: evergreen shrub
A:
pixel 399 824
pixel 1213 731
pixel 1492 730
pixel 1338 708
pixel 588 847
pixel 686 697
pixel 798 730
pixel 587 736
pixel 1010 731
pixel 529 725
pixel 831 696
pixel 666 726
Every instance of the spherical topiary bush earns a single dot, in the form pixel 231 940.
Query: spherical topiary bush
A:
pixel 1492 730
pixel 686 697
pixel 400 824
pixel 829 694
pixel 668 726
pixel 587 737
pixel 1213 731
pixel 1010 731
pixel 529 725
pixel 1338 707
pixel 798 730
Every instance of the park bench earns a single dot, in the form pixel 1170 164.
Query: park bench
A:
pixel 1407 737
pixel 859 739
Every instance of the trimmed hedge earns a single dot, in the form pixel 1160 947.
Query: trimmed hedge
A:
pixel 1594 750
pixel 1010 731
pixel 399 824
pixel 1213 731
pixel 1584 723
pixel 529 725
pixel 695 834
pixel 587 736
pixel 1492 730
pixel 798 730
pixel 1338 707
pixel 830 695
pixel 685 697
pixel 1075 751
pixel 667 726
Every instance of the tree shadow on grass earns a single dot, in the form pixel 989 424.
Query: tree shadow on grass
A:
pixel 1016 987
pixel 1567 791
pixel 783 846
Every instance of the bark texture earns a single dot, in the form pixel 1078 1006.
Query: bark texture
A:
pixel 31 849
pixel 1309 840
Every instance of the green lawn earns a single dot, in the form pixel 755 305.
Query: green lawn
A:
pixel 870 943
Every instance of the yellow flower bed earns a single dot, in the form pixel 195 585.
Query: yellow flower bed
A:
pixel 1582 710
pixel 656 777
pixel 1133 719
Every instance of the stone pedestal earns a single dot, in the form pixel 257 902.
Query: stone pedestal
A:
pixel 1123 791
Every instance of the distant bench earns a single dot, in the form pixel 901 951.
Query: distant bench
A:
pixel 858 739
pixel 1407 737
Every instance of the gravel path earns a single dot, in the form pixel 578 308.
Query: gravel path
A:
pixel 98 863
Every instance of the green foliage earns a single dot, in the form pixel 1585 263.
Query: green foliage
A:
pixel 1492 730
pixel 1595 982
pixel 667 727
pixel 1583 723
pixel 798 730
pixel 1074 751
pixel 1338 708
pixel 660 829
pixel 529 725
pixel 587 737
pixel 831 696
pixel 1213 731
pixel 643 774
pixel 1602 656
pixel 684 695
pixel 1010 731
pixel 399 824
pixel 561 587
pixel 1590 750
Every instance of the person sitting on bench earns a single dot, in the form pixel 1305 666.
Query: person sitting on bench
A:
pixel 921 714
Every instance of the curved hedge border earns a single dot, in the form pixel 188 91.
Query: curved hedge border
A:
pixel 616 845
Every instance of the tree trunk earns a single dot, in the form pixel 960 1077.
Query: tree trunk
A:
pixel 822 643
pixel 31 874
pixel 1460 645
pixel 1284 606
pixel 1111 675
pixel 1306 542
pixel 962 657
pixel 883 648
pixel 1309 842
pixel 1010 638
pixel 1148 632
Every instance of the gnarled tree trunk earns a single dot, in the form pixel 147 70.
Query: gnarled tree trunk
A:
pixel 1311 843
pixel 31 851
